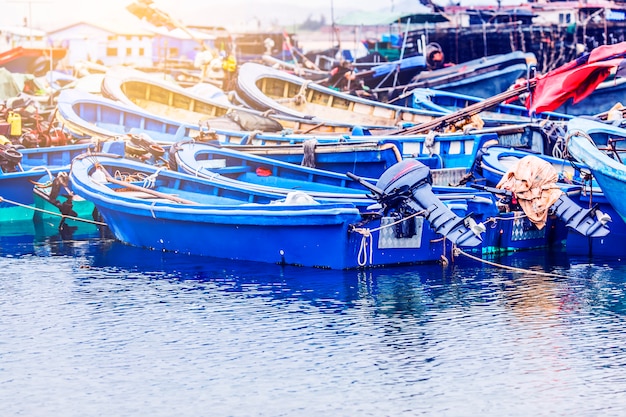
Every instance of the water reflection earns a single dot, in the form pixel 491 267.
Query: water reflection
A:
pixel 465 339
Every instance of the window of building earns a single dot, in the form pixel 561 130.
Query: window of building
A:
pixel 111 51
pixel 129 51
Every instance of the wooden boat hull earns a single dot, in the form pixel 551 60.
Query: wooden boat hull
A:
pixel 167 100
pixel 264 88
pixel 99 117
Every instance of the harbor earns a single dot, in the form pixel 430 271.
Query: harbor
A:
pixel 411 211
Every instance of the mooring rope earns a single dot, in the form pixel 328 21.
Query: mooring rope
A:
pixel 366 239
pixel 52 212
pixel 458 251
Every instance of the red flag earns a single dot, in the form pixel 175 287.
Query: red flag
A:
pixel 576 79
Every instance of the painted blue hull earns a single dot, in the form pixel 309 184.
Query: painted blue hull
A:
pixel 231 223
pixel 585 138
pixel 504 233
pixel 497 161
pixel 448 102
pixel 18 200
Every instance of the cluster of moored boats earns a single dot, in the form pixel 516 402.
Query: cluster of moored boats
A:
pixel 284 170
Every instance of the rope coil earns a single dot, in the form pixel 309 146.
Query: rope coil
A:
pixel 366 239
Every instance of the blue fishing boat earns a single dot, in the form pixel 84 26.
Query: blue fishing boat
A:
pixel 508 231
pixel 447 102
pixel 260 173
pixel 23 169
pixel 483 77
pixel 166 210
pixel 587 209
pixel 600 146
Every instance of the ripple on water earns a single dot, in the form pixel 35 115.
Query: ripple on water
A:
pixel 105 329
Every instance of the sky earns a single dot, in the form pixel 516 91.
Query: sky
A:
pixel 54 14
pixel 46 13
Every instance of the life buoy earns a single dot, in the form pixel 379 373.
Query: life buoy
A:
pixel 432 49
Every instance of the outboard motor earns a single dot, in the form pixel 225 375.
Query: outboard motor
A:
pixel 589 222
pixel 406 188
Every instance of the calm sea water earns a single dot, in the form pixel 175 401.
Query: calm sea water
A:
pixel 92 327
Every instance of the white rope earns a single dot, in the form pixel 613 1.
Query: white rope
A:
pixel 300 98
pixel 366 240
pixel 429 142
pixel 362 258
pixel 150 180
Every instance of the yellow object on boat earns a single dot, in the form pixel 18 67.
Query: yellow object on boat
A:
pixel 15 120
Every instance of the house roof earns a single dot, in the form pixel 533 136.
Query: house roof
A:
pixel 181 34
pixel 119 27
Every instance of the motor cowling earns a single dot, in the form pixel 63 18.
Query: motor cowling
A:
pixel 406 187
pixel 406 174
